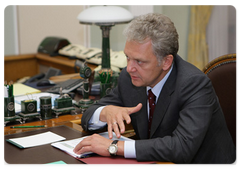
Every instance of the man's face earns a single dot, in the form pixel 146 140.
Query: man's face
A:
pixel 142 64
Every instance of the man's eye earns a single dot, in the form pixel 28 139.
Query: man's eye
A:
pixel 139 62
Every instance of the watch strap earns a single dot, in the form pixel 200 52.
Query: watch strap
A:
pixel 115 142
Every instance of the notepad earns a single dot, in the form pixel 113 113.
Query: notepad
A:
pixel 36 140
pixel 21 89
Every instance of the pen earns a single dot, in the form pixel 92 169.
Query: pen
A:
pixel 27 126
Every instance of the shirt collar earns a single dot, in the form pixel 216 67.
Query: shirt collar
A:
pixel 158 87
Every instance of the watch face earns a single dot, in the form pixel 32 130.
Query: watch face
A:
pixel 112 149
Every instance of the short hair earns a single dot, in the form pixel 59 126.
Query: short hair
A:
pixel 159 29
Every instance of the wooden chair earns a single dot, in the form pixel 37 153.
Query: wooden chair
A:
pixel 222 73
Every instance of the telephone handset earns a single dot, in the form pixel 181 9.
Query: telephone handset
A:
pixel 42 79
pixel 36 78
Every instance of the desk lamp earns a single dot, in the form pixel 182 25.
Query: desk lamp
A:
pixel 105 17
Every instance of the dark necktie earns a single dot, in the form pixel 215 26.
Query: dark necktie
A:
pixel 151 99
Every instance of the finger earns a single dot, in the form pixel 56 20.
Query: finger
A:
pixel 110 128
pixel 121 126
pixel 116 130
pixel 81 144
pixel 127 118
pixel 134 109
pixel 77 148
pixel 120 121
pixel 84 150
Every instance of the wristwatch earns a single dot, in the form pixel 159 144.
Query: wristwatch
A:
pixel 113 148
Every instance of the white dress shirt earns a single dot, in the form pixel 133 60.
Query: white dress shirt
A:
pixel 129 146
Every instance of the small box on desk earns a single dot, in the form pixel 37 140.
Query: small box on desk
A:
pixel 29 106
pixel 29 110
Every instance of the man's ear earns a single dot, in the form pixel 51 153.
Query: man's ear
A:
pixel 167 62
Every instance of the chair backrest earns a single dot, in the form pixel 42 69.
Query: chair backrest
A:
pixel 222 73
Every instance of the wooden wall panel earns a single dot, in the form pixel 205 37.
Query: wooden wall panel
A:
pixel 16 67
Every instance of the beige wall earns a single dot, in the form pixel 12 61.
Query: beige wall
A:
pixel 178 14
pixel 34 23
pixel 37 22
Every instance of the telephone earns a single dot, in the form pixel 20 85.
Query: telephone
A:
pixel 117 58
pixel 35 78
pixel 41 80
pixel 94 55
pixel 72 50
pixel 90 53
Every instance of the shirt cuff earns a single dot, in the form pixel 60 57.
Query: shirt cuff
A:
pixel 94 123
pixel 129 149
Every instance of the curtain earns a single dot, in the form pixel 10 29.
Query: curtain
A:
pixel 197 45
pixel 221 31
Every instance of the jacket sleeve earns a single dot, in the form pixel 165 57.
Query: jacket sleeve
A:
pixel 114 98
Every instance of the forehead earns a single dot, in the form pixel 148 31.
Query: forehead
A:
pixel 138 50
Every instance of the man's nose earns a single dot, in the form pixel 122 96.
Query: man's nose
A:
pixel 131 66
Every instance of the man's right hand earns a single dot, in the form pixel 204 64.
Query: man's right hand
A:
pixel 115 116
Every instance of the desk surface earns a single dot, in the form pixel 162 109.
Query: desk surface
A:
pixel 41 154
pixel 35 155
pixel 61 120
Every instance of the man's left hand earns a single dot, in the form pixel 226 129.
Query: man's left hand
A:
pixel 98 145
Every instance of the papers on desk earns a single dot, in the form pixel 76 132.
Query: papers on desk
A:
pixel 22 89
pixel 36 140
pixel 69 145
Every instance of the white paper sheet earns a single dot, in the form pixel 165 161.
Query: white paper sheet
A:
pixel 36 140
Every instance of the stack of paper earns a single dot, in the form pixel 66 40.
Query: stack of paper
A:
pixel 36 140
pixel 21 89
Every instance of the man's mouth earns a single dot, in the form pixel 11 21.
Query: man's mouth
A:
pixel 134 77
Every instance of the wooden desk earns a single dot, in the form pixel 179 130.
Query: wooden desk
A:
pixel 67 120
pixel 46 153
pixel 61 120
pixel 19 66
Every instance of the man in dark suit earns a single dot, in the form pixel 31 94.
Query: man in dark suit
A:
pixel 187 125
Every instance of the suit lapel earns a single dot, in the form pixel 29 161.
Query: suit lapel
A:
pixel 141 118
pixel 163 101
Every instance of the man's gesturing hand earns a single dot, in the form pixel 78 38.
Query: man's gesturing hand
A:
pixel 115 116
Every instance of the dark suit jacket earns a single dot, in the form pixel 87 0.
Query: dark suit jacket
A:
pixel 188 124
